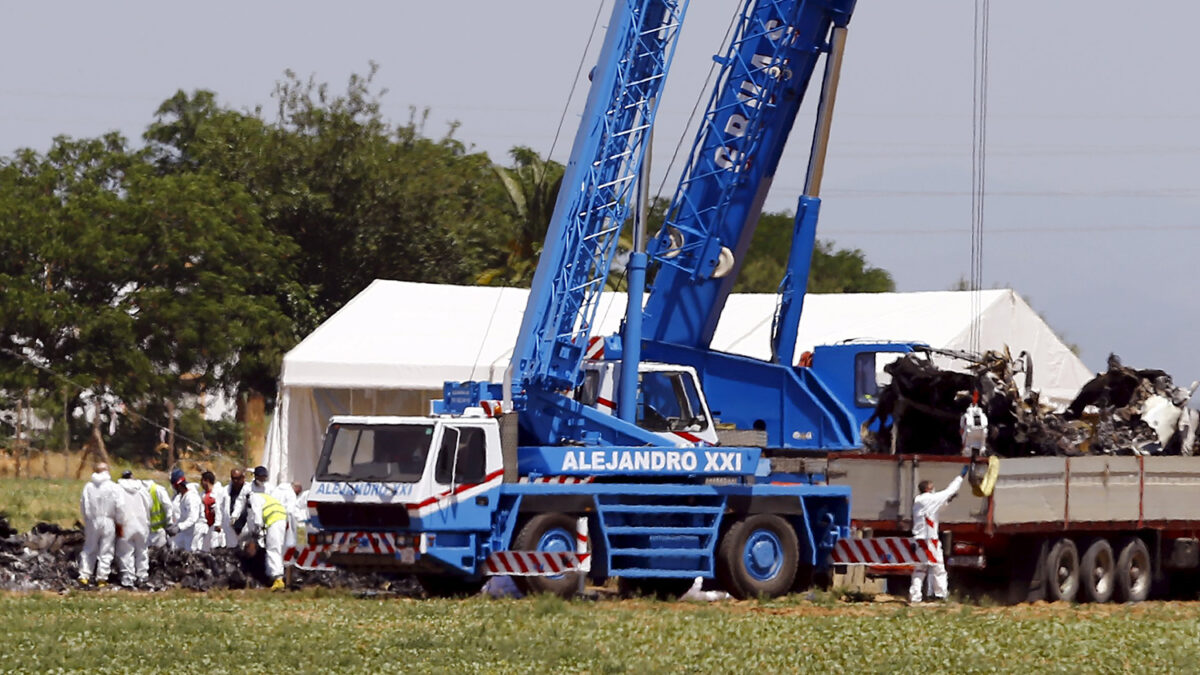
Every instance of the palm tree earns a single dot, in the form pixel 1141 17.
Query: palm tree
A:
pixel 532 187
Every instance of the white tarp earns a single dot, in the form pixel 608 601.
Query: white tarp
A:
pixel 389 350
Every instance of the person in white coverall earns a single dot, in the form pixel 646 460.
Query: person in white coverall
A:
pixel 285 493
pixel 259 486
pixel 212 499
pixel 99 506
pixel 925 530
pixel 266 525
pixel 235 503
pixel 190 514
pixel 132 555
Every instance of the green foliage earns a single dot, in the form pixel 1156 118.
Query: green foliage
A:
pixel 360 198
pixel 531 186
pixel 194 263
pixel 312 630
pixel 833 270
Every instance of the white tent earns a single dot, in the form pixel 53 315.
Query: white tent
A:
pixel 389 350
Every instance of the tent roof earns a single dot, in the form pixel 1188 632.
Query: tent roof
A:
pixel 404 335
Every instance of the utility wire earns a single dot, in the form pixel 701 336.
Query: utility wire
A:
pixel 575 82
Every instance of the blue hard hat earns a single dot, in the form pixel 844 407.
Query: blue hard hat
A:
pixel 177 476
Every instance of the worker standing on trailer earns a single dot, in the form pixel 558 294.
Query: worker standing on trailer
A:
pixel 266 527
pixel 925 530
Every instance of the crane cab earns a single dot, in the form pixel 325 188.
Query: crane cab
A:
pixel 670 403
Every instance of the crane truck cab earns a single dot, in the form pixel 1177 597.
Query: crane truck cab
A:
pixel 670 403
pixel 408 476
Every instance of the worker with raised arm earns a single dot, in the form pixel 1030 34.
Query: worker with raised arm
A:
pixel 925 530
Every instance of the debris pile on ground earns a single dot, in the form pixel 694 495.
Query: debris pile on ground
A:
pixel 1122 411
pixel 46 558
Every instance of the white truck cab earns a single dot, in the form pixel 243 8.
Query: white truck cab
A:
pixel 418 466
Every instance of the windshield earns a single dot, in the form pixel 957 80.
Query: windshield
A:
pixel 670 402
pixel 392 453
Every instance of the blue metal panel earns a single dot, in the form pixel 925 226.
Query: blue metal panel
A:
pixel 600 178
pixel 639 461
pixel 793 405
pixel 766 72
pixel 550 418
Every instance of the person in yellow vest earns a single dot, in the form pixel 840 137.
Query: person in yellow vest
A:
pixel 266 527
pixel 162 515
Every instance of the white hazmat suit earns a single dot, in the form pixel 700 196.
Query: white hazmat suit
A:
pixel 287 496
pixel 192 528
pixel 235 506
pixel 132 553
pixel 215 535
pixel 267 525
pixel 925 530
pixel 99 506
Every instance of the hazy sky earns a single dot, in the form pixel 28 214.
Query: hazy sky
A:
pixel 1093 204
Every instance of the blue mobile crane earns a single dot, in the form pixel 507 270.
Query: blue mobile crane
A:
pixel 614 467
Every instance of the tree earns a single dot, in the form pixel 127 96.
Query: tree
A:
pixel 125 280
pixel 531 186
pixel 832 271
pixel 361 199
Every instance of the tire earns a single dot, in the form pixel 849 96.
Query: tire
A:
pixel 449 586
pixel 1133 571
pixel 1062 571
pixel 553 532
pixel 758 556
pixel 659 589
pixel 1097 572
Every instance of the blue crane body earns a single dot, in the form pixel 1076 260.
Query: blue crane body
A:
pixel 541 476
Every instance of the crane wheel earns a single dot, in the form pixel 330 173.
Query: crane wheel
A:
pixel 758 555
pixel 550 532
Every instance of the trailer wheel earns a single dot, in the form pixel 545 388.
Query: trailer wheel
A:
pixel 447 586
pixel 758 556
pixel 1133 571
pixel 1097 572
pixel 552 533
pixel 1062 571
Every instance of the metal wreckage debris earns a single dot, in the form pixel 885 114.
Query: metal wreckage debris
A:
pixel 1123 411
pixel 45 559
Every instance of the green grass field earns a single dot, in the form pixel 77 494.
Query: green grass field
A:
pixel 40 500
pixel 312 631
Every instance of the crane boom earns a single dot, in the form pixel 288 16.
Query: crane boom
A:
pixel 594 200
pixel 765 74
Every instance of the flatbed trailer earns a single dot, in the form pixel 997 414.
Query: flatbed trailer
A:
pixel 1087 528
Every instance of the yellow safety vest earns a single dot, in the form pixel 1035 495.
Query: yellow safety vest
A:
pixel 158 514
pixel 272 511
